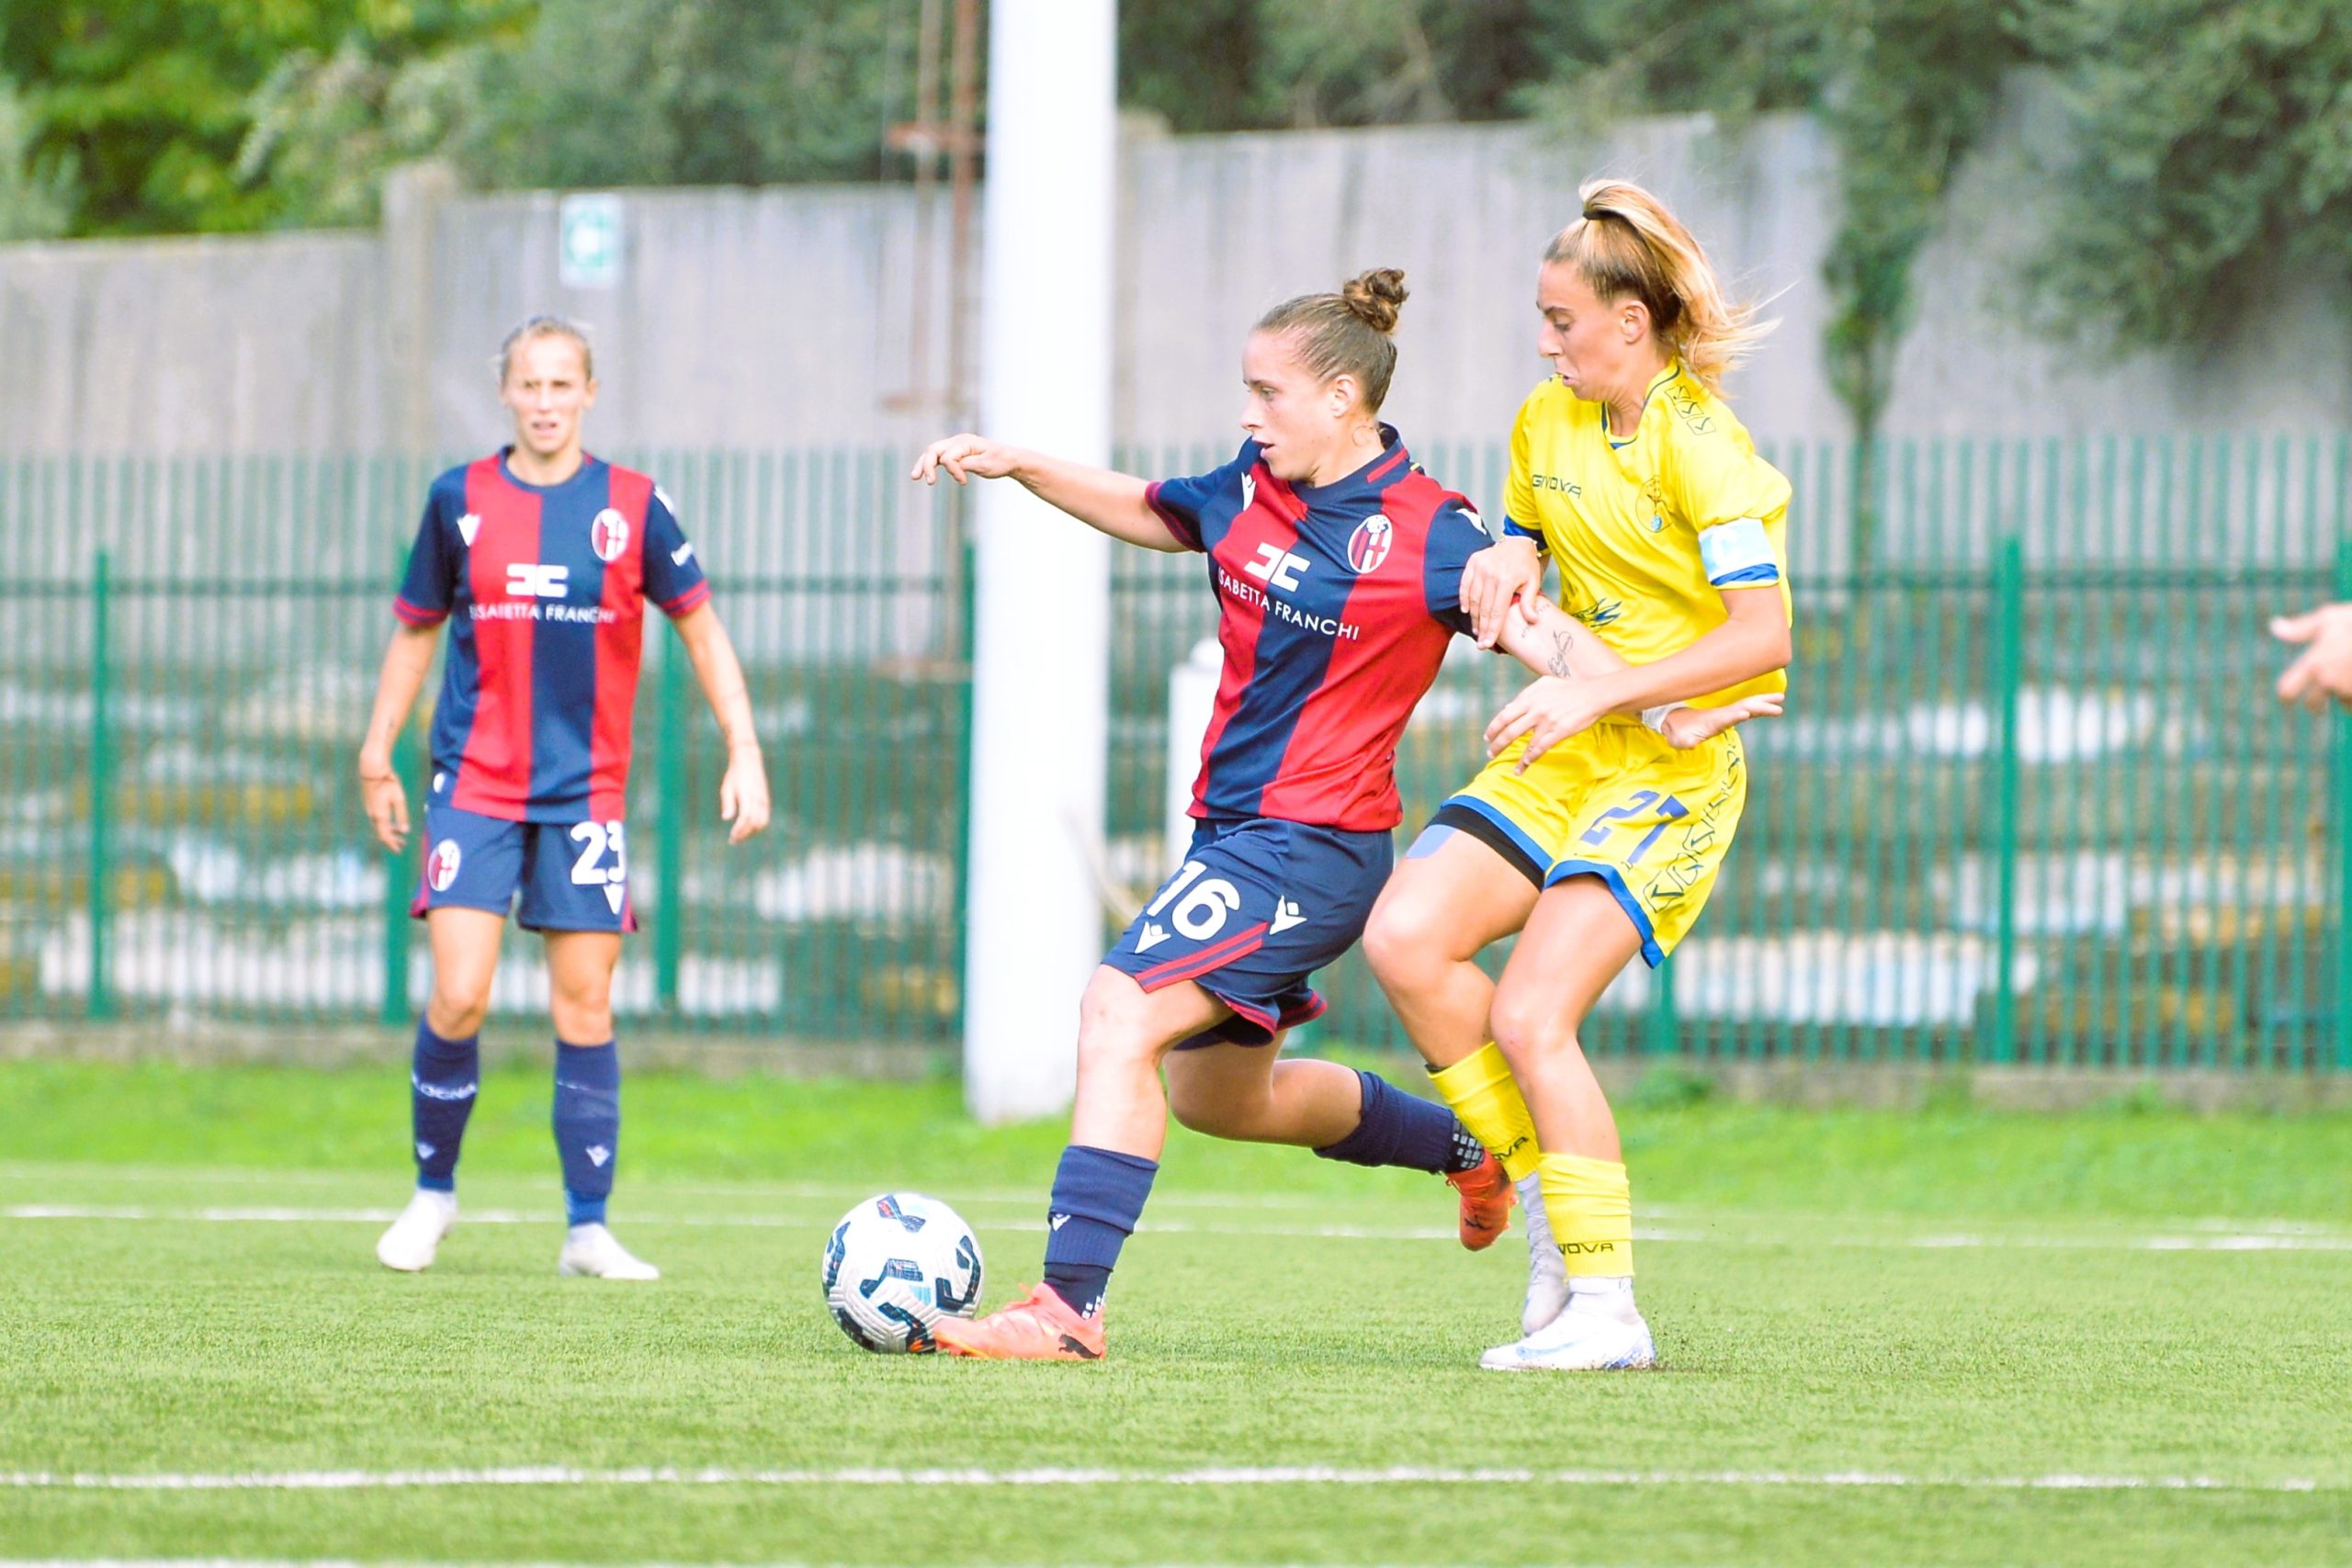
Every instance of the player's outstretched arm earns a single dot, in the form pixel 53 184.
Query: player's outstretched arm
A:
pixel 743 789
pixel 407 659
pixel 2324 668
pixel 1559 649
pixel 1111 503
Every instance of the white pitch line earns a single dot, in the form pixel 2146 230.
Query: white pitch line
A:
pixel 751 1222
pixel 2326 1237
pixel 2214 1241
pixel 1219 1475
pixel 28 1170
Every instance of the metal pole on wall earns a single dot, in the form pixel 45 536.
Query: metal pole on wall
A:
pixel 1041 632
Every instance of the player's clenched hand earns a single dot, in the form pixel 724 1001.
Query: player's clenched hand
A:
pixel 743 794
pixel 387 805
pixel 1547 713
pixel 2324 670
pixel 1686 727
pixel 965 456
pixel 1506 571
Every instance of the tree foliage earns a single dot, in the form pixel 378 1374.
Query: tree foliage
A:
pixel 692 92
pixel 1912 86
pixel 37 191
pixel 151 103
pixel 2211 146
pixel 2212 155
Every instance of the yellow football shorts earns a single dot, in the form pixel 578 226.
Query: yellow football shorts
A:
pixel 1618 802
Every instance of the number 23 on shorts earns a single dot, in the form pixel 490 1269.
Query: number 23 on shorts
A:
pixel 596 839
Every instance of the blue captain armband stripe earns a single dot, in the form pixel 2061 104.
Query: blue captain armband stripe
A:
pixel 1738 554
pixel 1514 529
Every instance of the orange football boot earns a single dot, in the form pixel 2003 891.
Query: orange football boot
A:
pixel 1486 1198
pixel 1041 1327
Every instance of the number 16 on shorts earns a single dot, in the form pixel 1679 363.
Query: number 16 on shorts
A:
pixel 1193 903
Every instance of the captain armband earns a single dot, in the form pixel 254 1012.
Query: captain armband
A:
pixel 1738 554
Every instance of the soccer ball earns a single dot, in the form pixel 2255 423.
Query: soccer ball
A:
pixel 895 1265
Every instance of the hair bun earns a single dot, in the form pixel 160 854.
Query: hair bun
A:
pixel 1374 297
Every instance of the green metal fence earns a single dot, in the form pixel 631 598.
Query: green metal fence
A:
pixel 187 653
pixel 2032 801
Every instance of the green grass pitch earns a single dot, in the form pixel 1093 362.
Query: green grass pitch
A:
pixel 1953 1336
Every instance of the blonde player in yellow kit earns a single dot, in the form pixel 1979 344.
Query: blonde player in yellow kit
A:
pixel 1588 833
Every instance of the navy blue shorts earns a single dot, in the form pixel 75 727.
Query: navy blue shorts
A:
pixel 573 876
pixel 1255 909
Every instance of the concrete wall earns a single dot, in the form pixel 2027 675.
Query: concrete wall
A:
pixel 788 316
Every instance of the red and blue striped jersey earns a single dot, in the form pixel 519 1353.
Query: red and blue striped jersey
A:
pixel 1336 604
pixel 544 587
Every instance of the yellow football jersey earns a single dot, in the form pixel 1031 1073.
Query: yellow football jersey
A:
pixel 1647 528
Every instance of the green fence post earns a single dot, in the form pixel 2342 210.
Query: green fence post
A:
pixel 2009 616
pixel 1664 1027
pixel 2342 738
pixel 966 554
pixel 101 997
pixel 670 851
pixel 397 919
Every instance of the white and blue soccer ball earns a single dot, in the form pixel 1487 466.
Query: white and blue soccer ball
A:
pixel 895 1265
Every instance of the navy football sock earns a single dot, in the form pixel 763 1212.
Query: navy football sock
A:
pixel 587 1126
pixel 443 1078
pixel 1098 1196
pixel 1399 1128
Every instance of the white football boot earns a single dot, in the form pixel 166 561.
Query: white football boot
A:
pixel 1547 1271
pixel 1599 1330
pixel 593 1250
pixel 410 1244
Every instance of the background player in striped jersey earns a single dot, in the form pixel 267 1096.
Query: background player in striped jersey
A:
pixel 542 558
pixel 1337 566
pixel 1584 834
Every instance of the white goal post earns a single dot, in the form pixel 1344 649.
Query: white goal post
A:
pixel 1041 628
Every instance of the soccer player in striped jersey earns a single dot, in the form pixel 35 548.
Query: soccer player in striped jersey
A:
pixel 542 559
pixel 1337 566
pixel 1587 834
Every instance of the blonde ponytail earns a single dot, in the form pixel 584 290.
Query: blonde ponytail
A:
pixel 1627 245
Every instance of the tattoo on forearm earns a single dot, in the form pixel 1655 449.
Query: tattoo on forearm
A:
pixel 1558 663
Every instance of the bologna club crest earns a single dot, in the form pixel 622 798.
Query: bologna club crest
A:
pixel 1370 544
pixel 608 536
pixel 441 866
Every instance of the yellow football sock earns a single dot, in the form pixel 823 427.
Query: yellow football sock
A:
pixel 1591 1208
pixel 1485 1095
